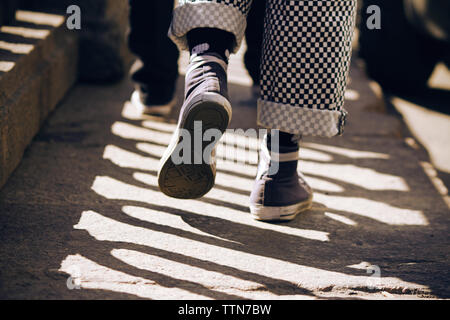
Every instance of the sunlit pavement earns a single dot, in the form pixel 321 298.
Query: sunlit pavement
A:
pixel 82 217
pixel 427 116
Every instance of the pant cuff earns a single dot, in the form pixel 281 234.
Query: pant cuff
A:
pixel 190 16
pixel 301 121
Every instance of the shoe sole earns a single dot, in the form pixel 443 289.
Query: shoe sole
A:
pixel 287 213
pixel 192 181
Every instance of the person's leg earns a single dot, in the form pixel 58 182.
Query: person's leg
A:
pixel 156 77
pixel 305 65
pixel 210 30
pixel 226 15
pixel 254 39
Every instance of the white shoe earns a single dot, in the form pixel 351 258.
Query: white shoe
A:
pixel 160 110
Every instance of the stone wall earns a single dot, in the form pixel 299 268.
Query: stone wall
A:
pixel 104 56
pixel 38 66
pixel 41 59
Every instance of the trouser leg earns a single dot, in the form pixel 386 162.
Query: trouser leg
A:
pixel 305 64
pixel 226 15
pixel 149 22
pixel 254 39
pixel 305 60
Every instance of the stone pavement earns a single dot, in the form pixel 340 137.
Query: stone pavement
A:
pixel 82 217
pixel 427 115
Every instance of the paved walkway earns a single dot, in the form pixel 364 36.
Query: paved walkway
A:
pixel 84 209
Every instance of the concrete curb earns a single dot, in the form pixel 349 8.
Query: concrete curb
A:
pixel 33 81
pixel 104 54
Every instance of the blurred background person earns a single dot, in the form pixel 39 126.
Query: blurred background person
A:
pixel 156 74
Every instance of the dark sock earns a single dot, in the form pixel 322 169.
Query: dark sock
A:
pixel 286 142
pixel 287 145
pixel 208 40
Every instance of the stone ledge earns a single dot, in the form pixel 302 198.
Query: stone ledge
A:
pixel 38 65
pixel 104 54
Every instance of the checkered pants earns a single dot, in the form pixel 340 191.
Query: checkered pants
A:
pixel 305 60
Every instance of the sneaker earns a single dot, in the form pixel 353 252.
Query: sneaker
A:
pixel 279 192
pixel 206 106
pixel 156 109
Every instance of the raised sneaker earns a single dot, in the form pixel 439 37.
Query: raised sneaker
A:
pixel 187 169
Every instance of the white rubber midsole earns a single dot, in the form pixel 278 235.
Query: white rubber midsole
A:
pixel 265 213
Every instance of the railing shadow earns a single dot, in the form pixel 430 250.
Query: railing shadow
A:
pixel 121 235
pixel 233 230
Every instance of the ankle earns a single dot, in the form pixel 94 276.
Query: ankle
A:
pixel 217 42
pixel 282 142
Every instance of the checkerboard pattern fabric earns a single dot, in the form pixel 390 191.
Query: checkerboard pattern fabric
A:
pixel 242 5
pixel 305 64
pixel 228 15
pixel 306 57
pixel 299 121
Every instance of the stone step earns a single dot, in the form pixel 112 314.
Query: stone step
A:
pixel 38 65
pixel 104 54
